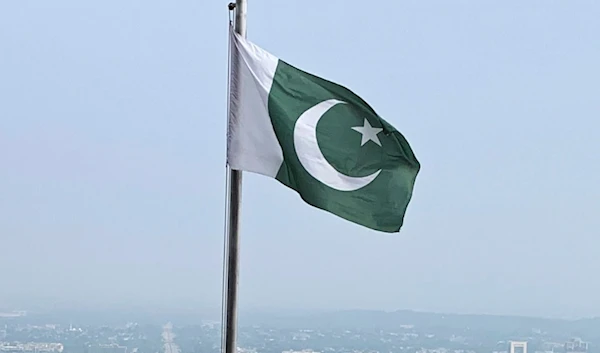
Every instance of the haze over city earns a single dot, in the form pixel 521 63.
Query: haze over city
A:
pixel 112 155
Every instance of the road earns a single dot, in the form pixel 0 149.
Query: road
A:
pixel 168 337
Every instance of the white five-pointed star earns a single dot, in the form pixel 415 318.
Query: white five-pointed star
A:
pixel 368 133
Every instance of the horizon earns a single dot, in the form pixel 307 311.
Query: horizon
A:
pixel 211 313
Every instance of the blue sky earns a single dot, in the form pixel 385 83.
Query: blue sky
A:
pixel 112 147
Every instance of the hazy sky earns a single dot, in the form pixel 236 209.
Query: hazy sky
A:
pixel 112 147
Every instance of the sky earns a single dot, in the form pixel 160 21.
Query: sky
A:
pixel 112 156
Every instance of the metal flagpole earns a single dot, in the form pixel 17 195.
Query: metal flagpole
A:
pixel 229 344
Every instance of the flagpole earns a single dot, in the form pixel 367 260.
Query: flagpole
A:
pixel 231 280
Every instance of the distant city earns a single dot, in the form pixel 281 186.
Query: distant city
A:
pixel 336 332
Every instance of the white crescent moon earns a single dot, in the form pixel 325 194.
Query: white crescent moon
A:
pixel 311 157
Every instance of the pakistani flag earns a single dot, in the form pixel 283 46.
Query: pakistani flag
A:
pixel 317 138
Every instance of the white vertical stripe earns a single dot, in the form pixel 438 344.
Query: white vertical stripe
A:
pixel 251 141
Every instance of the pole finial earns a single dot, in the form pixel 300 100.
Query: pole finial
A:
pixel 231 6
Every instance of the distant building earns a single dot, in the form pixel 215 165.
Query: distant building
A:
pixel 517 347
pixel 31 347
pixel 107 348
pixel 576 345
pixel 16 313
